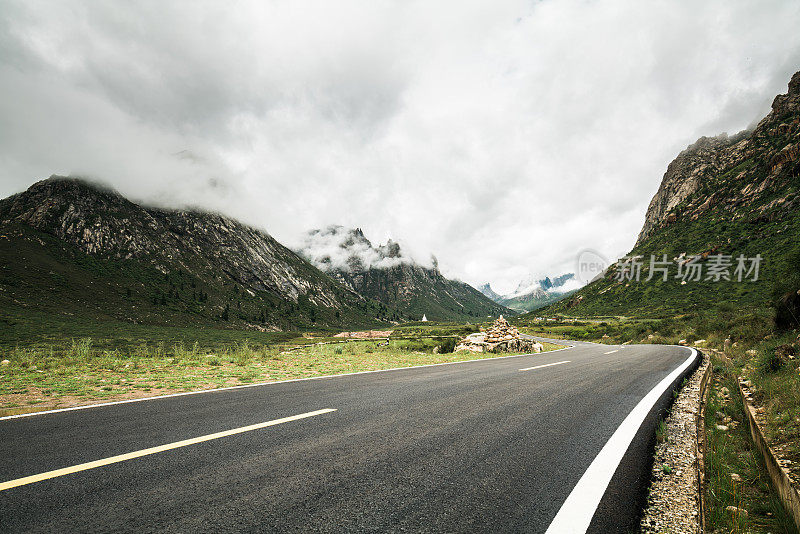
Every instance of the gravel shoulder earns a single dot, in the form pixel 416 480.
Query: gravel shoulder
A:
pixel 673 497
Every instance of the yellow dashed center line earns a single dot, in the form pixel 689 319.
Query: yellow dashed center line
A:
pixel 153 450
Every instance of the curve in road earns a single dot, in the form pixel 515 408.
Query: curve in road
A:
pixel 500 444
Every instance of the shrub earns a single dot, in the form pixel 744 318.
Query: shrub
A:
pixel 750 328
pixel 769 361
pixel 447 346
pixel 81 349
pixel 787 310
pixel 786 293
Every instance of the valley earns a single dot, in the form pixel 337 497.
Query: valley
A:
pixel 106 301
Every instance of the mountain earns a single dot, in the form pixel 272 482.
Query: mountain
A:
pixel 533 300
pixel 532 294
pixel 385 274
pixel 533 286
pixel 487 290
pixel 73 248
pixel 530 297
pixel 558 281
pixel 728 195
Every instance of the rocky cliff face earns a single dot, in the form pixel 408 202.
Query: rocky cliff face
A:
pixel 749 165
pixel 385 274
pixel 246 272
pixel 724 197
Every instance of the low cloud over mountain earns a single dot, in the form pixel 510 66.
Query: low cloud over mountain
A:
pixel 348 249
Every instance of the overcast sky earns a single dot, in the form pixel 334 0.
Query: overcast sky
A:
pixel 504 137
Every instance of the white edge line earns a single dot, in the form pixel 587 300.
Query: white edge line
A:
pixel 575 515
pixel 610 352
pixel 545 365
pixel 258 384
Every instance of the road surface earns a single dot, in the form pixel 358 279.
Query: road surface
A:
pixel 559 441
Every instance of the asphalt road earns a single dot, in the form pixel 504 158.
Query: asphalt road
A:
pixel 477 446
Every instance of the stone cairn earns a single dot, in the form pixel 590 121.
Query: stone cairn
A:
pixel 500 337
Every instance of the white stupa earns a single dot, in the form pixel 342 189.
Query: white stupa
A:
pixel 424 319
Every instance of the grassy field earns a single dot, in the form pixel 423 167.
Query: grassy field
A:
pixel 735 472
pixel 87 370
pixel 748 327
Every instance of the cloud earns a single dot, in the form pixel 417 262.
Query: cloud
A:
pixel 347 249
pixel 502 137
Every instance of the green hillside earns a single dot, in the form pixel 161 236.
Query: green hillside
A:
pixel 72 250
pixel 383 273
pixel 726 196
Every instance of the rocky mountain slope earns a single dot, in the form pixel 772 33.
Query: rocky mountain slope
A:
pixel 71 247
pixel 729 196
pixel 386 274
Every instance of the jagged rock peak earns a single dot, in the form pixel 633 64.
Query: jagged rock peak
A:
pixel 794 84
pixel 487 290
pixel 761 159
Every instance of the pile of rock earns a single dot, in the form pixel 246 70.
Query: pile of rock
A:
pixel 500 337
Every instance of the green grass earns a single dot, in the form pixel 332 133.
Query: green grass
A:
pixel 86 370
pixel 745 326
pixel 777 392
pixel 40 275
pixel 731 452
pixel 431 328
pixel 35 329
pixel 773 235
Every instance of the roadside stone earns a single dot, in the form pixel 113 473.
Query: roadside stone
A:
pixel 5 362
pixel 723 428
pixel 736 477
